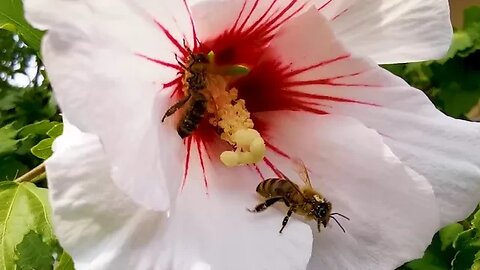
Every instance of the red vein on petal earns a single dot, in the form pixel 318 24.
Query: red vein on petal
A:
pixel 209 154
pixel 177 90
pixel 233 29
pixel 329 81
pixel 312 110
pixel 324 5
pixel 286 19
pixel 258 171
pixel 327 98
pixel 276 150
pixel 340 14
pixel 323 63
pixel 273 168
pixel 187 161
pixel 248 16
pixel 264 28
pixel 199 148
pixel 171 38
pixel 160 62
pixel 172 83
pixel 259 20
pixel 194 30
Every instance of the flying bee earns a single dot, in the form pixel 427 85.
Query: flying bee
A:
pixel 304 201
pixel 195 99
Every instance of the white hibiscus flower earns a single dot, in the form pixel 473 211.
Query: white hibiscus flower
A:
pixel 376 148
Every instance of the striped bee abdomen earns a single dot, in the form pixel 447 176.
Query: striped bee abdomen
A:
pixel 274 187
pixel 192 117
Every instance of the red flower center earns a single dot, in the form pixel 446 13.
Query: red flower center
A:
pixel 269 85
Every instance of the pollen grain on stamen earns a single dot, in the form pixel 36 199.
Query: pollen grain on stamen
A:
pixel 232 117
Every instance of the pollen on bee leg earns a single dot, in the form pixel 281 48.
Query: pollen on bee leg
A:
pixel 232 116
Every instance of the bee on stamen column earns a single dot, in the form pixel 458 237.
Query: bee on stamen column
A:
pixel 195 99
pixel 305 201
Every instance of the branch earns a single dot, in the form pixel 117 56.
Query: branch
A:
pixel 35 175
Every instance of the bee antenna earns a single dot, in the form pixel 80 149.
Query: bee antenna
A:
pixel 343 216
pixel 340 225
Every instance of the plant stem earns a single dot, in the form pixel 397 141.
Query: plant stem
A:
pixel 35 175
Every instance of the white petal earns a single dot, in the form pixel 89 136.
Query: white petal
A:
pixel 211 23
pixel 94 221
pixel 393 31
pixel 106 88
pixel 392 210
pixel 444 150
pixel 226 235
pixel 103 229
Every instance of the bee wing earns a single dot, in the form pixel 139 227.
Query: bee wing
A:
pixel 303 172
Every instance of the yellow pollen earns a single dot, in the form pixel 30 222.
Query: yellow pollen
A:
pixel 232 117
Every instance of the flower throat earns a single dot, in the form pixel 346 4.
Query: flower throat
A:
pixel 207 93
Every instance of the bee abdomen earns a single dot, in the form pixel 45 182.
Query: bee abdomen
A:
pixel 274 187
pixel 192 117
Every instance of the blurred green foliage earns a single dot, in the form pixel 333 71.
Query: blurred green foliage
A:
pixel 453 84
pixel 27 108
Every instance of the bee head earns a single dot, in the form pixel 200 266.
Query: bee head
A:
pixel 200 58
pixel 321 211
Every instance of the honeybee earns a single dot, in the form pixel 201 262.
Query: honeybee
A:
pixel 195 99
pixel 304 201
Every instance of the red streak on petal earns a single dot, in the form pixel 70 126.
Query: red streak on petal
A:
pixel 276 150
pixel 160 62
pixel 239 16
pixel 274 169
pixel 249 15
pixel 286 19
pixel 258 171
pixel 327 98
pixel 340 14
pixel 199 148
pixel 172 83
pixel 312 110
pixel 330 81
pixel 171 38
pixel 324 5
pixel 194 30
pixel 187 161
pixel 323 63
pixel 178 90
pixel 238 45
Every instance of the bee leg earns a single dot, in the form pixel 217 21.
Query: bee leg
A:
pixel 175 107
pixel 180 63
pixel 287 217
pixel 261 207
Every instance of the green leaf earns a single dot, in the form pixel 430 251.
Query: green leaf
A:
pixel 11 18
pixel 8 144
pixel 33 253
pixel 461 41
pixel 476 220
pixel 23 208
pixel 471 16
pixel 433 259
pixel 65 262
pixel 449 234
pixel 10 168
pixel 37 128
pixel 55 131
pixel 464 239
pixel 464 258
pixel 43 149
